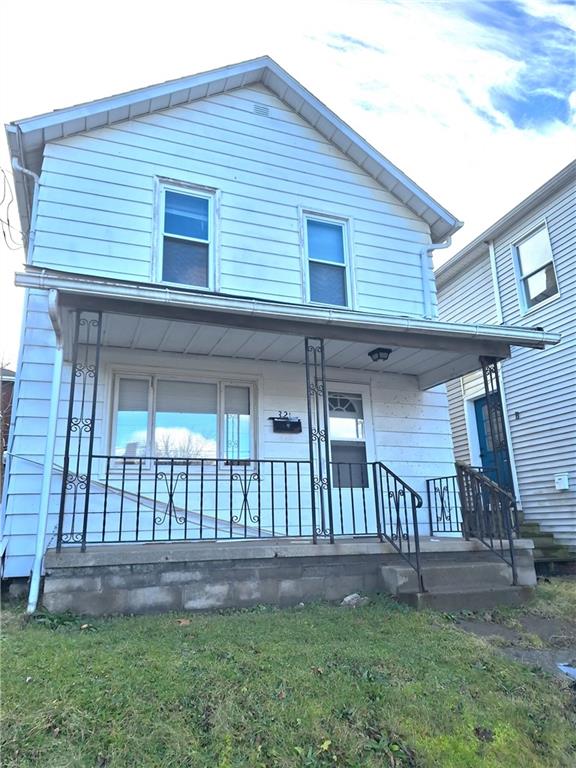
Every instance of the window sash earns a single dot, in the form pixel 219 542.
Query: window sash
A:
pixel 312 259
pixel 165 233
pixel 234 410
pixel 541 264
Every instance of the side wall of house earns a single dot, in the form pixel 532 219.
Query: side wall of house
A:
pixel 410 428
pixel 541 385
pixel 98 207
pixel 27 445
pixel 467 298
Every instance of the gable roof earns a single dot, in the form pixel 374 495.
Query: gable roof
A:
pixel 479 246
pixel 26 138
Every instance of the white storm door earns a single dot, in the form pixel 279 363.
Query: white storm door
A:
pixel 351 453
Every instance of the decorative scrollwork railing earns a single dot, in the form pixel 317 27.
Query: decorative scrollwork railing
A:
pixel 397 515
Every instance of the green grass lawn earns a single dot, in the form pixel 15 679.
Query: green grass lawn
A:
pixel 323 685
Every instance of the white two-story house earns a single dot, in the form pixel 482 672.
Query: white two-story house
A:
pixel 230 338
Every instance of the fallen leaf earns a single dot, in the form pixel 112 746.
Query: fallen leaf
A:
pixel 183 622
pixel 282 694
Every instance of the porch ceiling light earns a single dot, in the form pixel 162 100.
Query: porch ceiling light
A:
pixel 380 353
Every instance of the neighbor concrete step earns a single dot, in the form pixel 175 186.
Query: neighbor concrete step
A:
pixel 467 599
pixel 402 579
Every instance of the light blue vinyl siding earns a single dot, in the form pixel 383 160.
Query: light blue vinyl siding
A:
pixel 97 203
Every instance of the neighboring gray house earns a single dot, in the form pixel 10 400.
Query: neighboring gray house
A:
pixel 522 270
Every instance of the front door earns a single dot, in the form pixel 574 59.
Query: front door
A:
pixel 493 457
pixel 351 451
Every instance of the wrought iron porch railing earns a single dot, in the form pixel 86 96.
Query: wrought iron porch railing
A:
pixel 489 514
pixel 147 499
pixel 444 509
pixel 397 513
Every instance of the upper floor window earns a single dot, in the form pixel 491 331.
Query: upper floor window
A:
pixel 187 236
pixel 536 268
pixel 327 261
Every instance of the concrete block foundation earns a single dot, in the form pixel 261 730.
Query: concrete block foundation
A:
pixel 152 578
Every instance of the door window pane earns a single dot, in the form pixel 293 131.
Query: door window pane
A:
pixel 186 215
pixel 131 428
pixel 237 426
pixel 346 416
pixel 327 284
pixel 186 423
pixel 185 262
pixel 349 468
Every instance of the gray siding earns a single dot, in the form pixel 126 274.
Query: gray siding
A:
pixel 468 298
pixel 540 386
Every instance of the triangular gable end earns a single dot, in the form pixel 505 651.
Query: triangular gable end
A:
pixel 26 138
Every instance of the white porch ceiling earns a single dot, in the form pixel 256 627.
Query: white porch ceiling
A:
pixel 176 337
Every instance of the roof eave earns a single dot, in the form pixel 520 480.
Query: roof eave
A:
pixel 36 131
pixel 480 244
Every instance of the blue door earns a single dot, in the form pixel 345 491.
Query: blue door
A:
pixel 494 458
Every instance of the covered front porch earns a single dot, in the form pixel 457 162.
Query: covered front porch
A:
pixel 347 423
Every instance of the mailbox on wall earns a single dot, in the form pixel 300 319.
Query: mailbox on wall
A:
pixel 288 425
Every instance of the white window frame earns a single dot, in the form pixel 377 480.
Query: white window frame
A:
pixel 152 378
pixel 348 267
pixel 521 278
pixel 193 190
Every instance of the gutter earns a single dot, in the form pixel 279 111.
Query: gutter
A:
pixel 36 575
pixel 336 318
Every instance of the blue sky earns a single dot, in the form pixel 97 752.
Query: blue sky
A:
pixel 474 99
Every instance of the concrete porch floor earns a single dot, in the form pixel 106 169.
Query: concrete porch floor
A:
pixel 142 578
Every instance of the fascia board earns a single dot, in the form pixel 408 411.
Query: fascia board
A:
pixel 515 336
pixel 470 252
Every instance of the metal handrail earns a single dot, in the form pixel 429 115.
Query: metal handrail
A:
pixel 489 514
pixel 393 512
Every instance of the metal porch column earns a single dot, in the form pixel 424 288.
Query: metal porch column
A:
pixel 318 439
pixel 79 443
pixel 496 424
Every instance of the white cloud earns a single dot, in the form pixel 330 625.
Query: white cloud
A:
pixel 418 86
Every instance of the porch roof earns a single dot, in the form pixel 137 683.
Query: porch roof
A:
pixel 169 320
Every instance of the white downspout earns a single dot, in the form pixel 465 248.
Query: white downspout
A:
pixel 32 223
pixel 49 455
pixel 429 311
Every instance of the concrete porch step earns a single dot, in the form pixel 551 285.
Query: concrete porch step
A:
pixel 491 574
pixel 467 599
pixel 455 586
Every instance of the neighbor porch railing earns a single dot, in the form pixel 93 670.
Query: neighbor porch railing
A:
pixel 489 514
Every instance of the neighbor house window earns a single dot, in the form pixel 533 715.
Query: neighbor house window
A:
pixel 536 268
pixel 186 237
pixel 158 416
pixel 327 261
